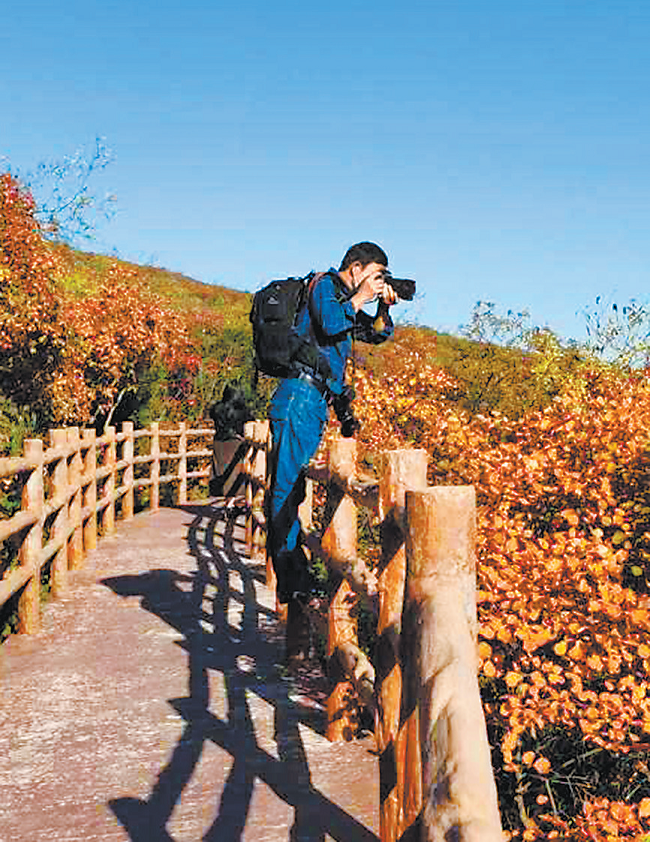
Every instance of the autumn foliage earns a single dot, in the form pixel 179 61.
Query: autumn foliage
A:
pixel 70 349
pixel 563 573
pixel 562 487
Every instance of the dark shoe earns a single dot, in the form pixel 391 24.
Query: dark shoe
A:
pixel 297 634
pixel 310 601
pixel 314 605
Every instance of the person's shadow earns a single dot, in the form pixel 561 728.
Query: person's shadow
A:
pixel 213 644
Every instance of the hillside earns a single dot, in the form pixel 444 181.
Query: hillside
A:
pixel 555 442
pixel 86 272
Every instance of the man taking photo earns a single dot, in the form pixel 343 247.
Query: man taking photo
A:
pixel 299 408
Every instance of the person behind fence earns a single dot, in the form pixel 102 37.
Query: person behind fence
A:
pixel 300 405
pixel 228 447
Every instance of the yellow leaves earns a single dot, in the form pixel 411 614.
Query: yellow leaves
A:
pixel 560 648
pixel 535 639
pixel 513 679
pixel 484 650
pixel 542 765
pixel 644 808
pixel 595 662
pixel 489 670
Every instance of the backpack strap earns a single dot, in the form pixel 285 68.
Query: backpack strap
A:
pixel 315 279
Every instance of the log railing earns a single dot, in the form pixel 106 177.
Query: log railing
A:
pixel 436 777
pixel 72 491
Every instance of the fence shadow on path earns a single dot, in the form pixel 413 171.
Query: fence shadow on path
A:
pixel 247 656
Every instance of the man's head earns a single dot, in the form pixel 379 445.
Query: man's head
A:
pixel 360 261
pixel 364 253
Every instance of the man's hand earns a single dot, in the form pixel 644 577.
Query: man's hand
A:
pixel 373 286
pixel 388 294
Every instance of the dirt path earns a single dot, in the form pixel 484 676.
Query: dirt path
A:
pixel 153 708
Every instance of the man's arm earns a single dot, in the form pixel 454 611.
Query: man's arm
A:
pixel 334 315
pixel 331 315
pixel 374 330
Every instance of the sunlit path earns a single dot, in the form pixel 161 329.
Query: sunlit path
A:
pixel 153 706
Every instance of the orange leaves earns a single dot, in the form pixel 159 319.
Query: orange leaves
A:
pixel 484 650
pixel 534 638
pixel 571 517
pixel 557 531
pixel 513 679
pixel 595 663
pixel 542 765
pixel 489 670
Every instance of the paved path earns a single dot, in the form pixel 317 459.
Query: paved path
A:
pixel 152 706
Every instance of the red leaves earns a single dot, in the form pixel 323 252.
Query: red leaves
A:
pixel 71 345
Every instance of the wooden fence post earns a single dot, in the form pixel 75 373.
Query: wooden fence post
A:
pixel 400 470
pixel 89 438
pixel 247 464
pixel 340 542
pixel 258 542
pixel 182 464
pixel 29 607
pixel 59 439
pixel 459 792
pixel 128 449
pixel 110 457
pixel 271 579
pixel 154 499
pixel 76 548
pixel 306 508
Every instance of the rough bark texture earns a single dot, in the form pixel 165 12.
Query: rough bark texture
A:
pixel 58 438
pixel 259 490
pixel 459 793
pixel 401 469
pixel 29 617
pixel 340 543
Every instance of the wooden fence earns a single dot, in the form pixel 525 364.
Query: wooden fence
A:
pixel 436 780
pixel 436 777
pixel 72 492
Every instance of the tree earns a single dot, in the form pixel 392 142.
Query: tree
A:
pixel 620 335
pixel 66 208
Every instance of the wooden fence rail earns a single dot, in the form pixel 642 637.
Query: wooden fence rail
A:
pixel 71 491
pixel 436 779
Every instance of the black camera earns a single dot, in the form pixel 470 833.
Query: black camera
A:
pixel 342 404
pixel 404 287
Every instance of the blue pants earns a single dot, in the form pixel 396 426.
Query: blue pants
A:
pixel 298 415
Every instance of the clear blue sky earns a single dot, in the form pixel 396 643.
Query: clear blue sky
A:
pixel 497 150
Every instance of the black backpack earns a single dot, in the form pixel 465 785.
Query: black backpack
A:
pixel 273 316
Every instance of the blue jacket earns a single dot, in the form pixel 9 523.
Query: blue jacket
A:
pixel 331 322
